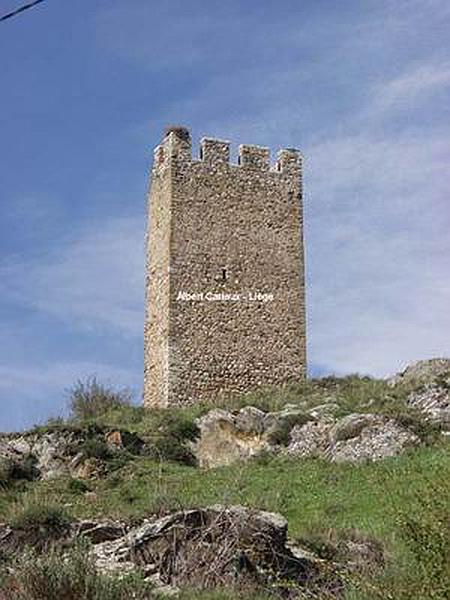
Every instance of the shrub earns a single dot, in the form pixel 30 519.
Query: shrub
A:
pixel 36 515
pixel 78 486
pixel 95 448
pixel 170 442
pixel 90 399
pixel 17 469
pixel 68 576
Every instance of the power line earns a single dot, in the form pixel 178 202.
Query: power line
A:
pixel 19 10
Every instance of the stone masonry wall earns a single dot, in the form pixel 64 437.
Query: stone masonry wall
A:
pixel 225 289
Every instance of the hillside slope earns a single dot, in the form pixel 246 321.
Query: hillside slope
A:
pixel 378 525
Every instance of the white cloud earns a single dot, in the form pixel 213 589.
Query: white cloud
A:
pixel 379 254
pixel 416 83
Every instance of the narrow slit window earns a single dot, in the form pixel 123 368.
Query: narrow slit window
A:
pixel 224 274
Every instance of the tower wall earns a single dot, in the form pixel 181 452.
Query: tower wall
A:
pixel 225 272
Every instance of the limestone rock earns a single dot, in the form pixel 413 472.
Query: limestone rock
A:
pixel 378 438
pixel 310 440
pixel 99 532
pixel 60 453
pixel 209 547
pixel 431 394
pixel 226 437
pixel 212 547
pixel 50 451
pixel 353 438
pixel 434 401
pixel 324 412
pixel 90 468
pixel 422 371
pixel 352 425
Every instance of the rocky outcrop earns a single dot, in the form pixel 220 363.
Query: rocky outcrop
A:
pixel 434 401
pixel 226 437
pixel 430 380
pixel 298 430
pixel 65 452
pixel 215 547
pixel 422 372
pixel 368 437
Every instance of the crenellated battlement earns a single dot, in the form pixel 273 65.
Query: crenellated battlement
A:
pixel 215 152
pixel 254 157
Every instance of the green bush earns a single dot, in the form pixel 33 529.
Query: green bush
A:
pixel 68 576
pixel 37 515
pixel 17 469
pixel 90 399
pixel 78 486
pixel 169 440
pixel 96 448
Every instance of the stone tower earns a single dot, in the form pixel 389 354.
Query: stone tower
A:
pixel 225 290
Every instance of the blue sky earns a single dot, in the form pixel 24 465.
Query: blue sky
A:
pixel 361 87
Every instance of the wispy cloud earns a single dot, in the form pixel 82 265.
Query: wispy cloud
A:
pixel 379 253
pixel 409 87
pixel 94 281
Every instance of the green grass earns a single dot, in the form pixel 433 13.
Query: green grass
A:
pixel 100 408
pixel 400 501
pixel 305 491
pixel 33 513
pixel 97 408
pixel 51 576
pixel 315 497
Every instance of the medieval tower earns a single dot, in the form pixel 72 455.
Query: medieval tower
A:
pixel 225 290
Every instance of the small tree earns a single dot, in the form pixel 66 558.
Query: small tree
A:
pixel 90 399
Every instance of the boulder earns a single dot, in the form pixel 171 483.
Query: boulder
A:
pixel 227 437
pixel 430 380
pixel 222 442
pixel 352 425
pixel 310 440
pixel 433 400
pixel 212 547
pixel 421 372
pixel 250 420
pixel 378 438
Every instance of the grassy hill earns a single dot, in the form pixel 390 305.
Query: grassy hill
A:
pixel 401 501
